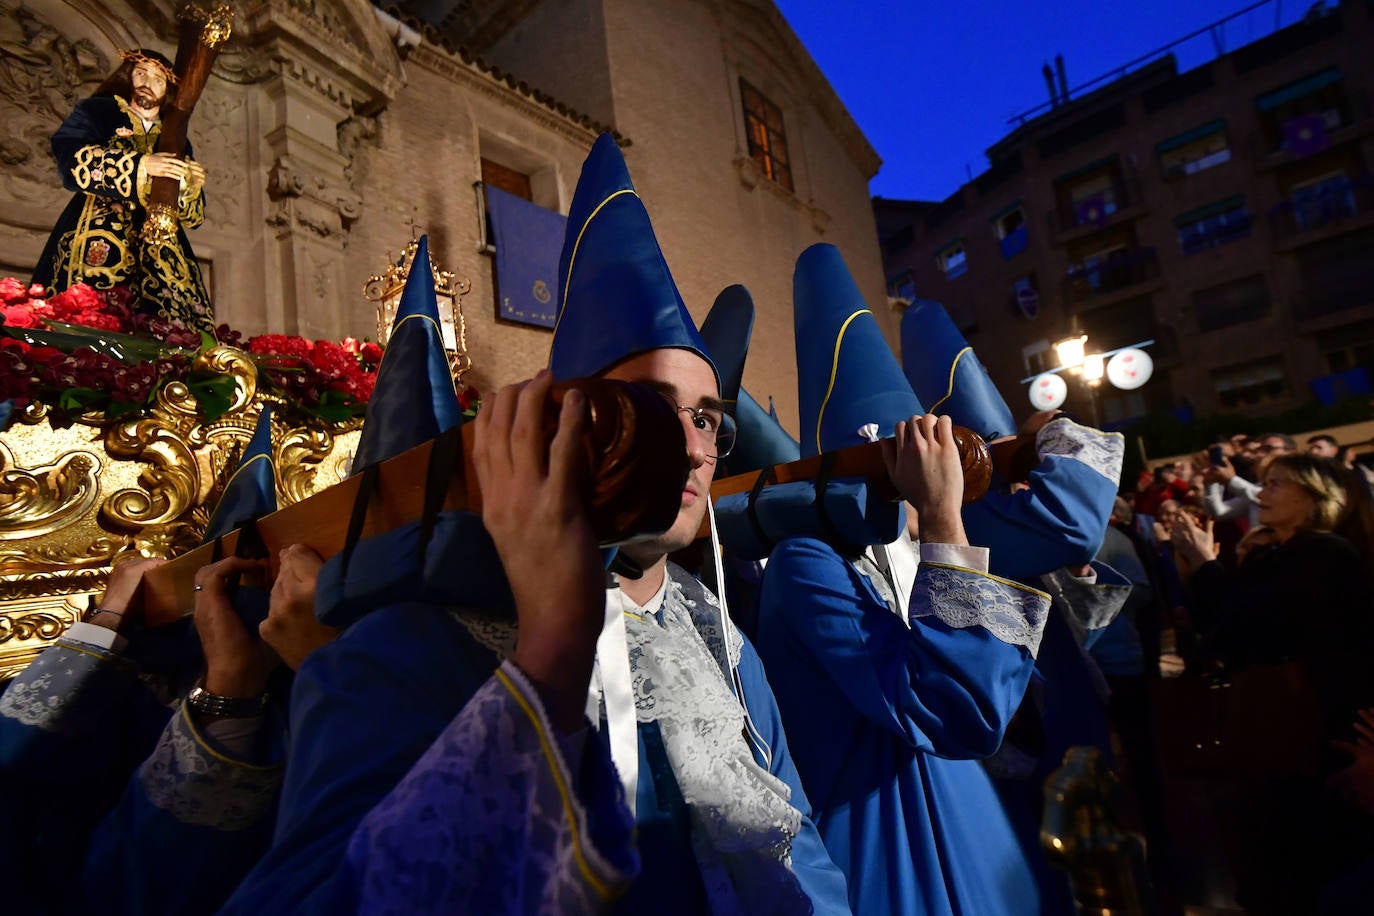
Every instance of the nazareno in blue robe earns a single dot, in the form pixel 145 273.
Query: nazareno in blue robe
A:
pixel 368 707
pixel 1060 521
pixel 887 719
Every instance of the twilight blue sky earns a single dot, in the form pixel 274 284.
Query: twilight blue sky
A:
pixel 933 84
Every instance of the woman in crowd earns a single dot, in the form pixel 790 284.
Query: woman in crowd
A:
pixel 1305 601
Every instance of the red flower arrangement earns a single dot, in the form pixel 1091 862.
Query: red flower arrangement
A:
pixel 327 379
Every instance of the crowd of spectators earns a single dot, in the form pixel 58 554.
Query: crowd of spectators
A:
pixel 1261 553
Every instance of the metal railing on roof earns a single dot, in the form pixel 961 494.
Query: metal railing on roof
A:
pixel 1216 31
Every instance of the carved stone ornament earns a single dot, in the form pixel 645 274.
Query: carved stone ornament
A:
pixel 74 500
pixel 43 73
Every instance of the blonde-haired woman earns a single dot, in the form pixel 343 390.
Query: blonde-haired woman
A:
pixel 1305 600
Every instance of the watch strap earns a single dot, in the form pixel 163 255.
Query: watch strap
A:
pixel 206 703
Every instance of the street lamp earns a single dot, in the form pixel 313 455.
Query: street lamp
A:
pixel 1070 351
pixel 1126 368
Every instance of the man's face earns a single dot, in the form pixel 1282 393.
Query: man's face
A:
pixel 1322 449
pixel 688 380
pixel 150 86
pixel 1273 446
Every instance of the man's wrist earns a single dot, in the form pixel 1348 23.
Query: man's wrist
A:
pixel 239 685
pixel 943 528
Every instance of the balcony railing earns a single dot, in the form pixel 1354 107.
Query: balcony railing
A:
pixel 1309 304
pixel 1014 242
pixel 1330 204
pixel 1118 271
pixel 1098 210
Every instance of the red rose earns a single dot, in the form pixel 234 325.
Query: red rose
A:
pixel 370 353
pixel 20 316
pixel 331 360
pixel 13 292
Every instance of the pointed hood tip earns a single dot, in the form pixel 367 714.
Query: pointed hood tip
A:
pixel 847 375
pixel 727 332
pixel 618 295
pixel 251 491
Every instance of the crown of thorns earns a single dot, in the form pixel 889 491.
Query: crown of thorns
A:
pixel 138 57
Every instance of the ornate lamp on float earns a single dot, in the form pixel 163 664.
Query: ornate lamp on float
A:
pixel 385 290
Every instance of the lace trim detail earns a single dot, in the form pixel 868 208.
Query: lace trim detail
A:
pixel 1098 450
pixel 959 598
pixel 484 822
pixel 42 695
pixel 742 816
pixel 743 819
pixel 878 579
pixel 1085 606
pixel 199 786
pixel 496 635
pixel 704 608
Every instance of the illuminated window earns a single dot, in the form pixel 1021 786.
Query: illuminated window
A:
pixel 767 139
pixel 953 260
pixel 1194 151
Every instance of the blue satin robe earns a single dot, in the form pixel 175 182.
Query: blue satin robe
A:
pixel 887 723
pixel 367 707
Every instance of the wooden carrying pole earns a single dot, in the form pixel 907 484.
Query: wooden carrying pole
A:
pixel 320 522
pixel 202 35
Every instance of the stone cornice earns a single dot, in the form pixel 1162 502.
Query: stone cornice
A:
pixel 539 107
pixel 351 61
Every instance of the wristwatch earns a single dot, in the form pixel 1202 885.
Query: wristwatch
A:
pixel 210 704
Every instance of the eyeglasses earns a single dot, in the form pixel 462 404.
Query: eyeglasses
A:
pixel 714 428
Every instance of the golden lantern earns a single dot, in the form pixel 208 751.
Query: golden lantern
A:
pixel 385 290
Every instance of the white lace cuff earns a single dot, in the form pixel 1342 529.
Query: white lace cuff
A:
pixel 1100 451
pixel 43 695
pixel 960 598
pixel 196 784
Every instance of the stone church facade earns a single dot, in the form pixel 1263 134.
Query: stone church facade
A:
pixel 331 130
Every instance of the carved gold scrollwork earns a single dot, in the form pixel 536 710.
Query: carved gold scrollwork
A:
pixel 301 463
pixel 38 501
pixel 39 623
pixel 39 558
pixel 230 361
pixel 167 488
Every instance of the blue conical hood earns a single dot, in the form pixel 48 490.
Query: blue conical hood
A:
pixel 945 373
pixel 761 442
pixel 847 376
pixel 251 491
pixel 414 399
pixel 618 297
pixel 726 332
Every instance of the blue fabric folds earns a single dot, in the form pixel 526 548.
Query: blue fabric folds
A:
pixel 460 568
pixel 761 440
pixel 853 516
pixel 528 240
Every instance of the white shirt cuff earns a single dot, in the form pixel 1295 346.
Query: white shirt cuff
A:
pixel 970 558
pixel 97 637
